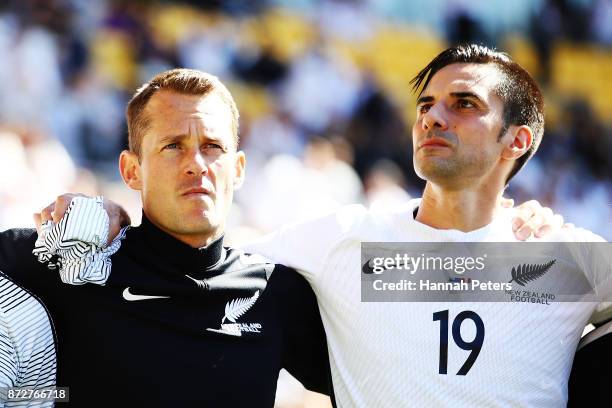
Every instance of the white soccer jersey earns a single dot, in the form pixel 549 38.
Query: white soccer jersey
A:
pixel 27 345
pixel 389 354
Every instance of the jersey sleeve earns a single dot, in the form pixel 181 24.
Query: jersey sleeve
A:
pixel 78 243
pixel 27 343
pixel 8 356
pixel 76 246
pixel 305 245
pixel 599 258
pixel 594 256
pixel 305 355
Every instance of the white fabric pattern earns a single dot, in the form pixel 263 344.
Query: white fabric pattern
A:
pixel 387 354
pixel 27 346
pixel 77 244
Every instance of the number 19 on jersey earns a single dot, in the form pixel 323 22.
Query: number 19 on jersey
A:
pixel 473 346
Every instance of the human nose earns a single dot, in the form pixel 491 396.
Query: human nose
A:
pixel 197 164
pixel 434 118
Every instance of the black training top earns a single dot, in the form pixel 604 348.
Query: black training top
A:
pixel 177 326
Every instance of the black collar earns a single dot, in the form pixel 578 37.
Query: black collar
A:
pixel 179 253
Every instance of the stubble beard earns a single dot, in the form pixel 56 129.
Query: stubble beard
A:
pixel 452 172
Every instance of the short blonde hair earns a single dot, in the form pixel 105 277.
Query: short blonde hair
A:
pixel 180 80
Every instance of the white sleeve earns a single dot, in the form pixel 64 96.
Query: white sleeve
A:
pixel 595 257
pixel 77 244
pixel 8 356
pixel 600 257
pixel 305 245
pixel 27 344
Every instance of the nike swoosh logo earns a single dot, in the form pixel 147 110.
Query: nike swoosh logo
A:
pixel 132 297
pixel 368 270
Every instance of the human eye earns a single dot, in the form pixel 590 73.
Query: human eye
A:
pixel 171 146
pixel 465 104
pixel 214 146
pixel 423 108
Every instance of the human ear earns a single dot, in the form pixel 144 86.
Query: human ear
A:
pixel 129 167
pixel 239 168
pixel 522 139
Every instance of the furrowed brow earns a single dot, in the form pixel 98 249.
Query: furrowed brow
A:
pixel 172 139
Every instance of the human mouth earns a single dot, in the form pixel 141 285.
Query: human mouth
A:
pixel 196 191
pixel 433 143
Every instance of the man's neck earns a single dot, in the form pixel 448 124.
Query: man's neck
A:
pixel 195 240
pixel 464 210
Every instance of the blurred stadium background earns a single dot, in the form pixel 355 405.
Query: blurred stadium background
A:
pixel 323 90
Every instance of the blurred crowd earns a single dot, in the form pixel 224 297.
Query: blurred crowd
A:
pixel 322 86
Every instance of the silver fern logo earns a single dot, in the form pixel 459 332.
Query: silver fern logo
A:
pixel 233 310
pixel 238 307
pixel 525 274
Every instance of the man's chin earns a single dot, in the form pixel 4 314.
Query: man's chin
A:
pixel 202 220
pixel 434 172
pixel 199 227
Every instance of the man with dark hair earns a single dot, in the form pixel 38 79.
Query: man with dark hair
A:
pixel 183 320
pixel 523 103
pixel 479 118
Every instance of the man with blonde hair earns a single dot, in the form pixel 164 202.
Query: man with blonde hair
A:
pixel 183 320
